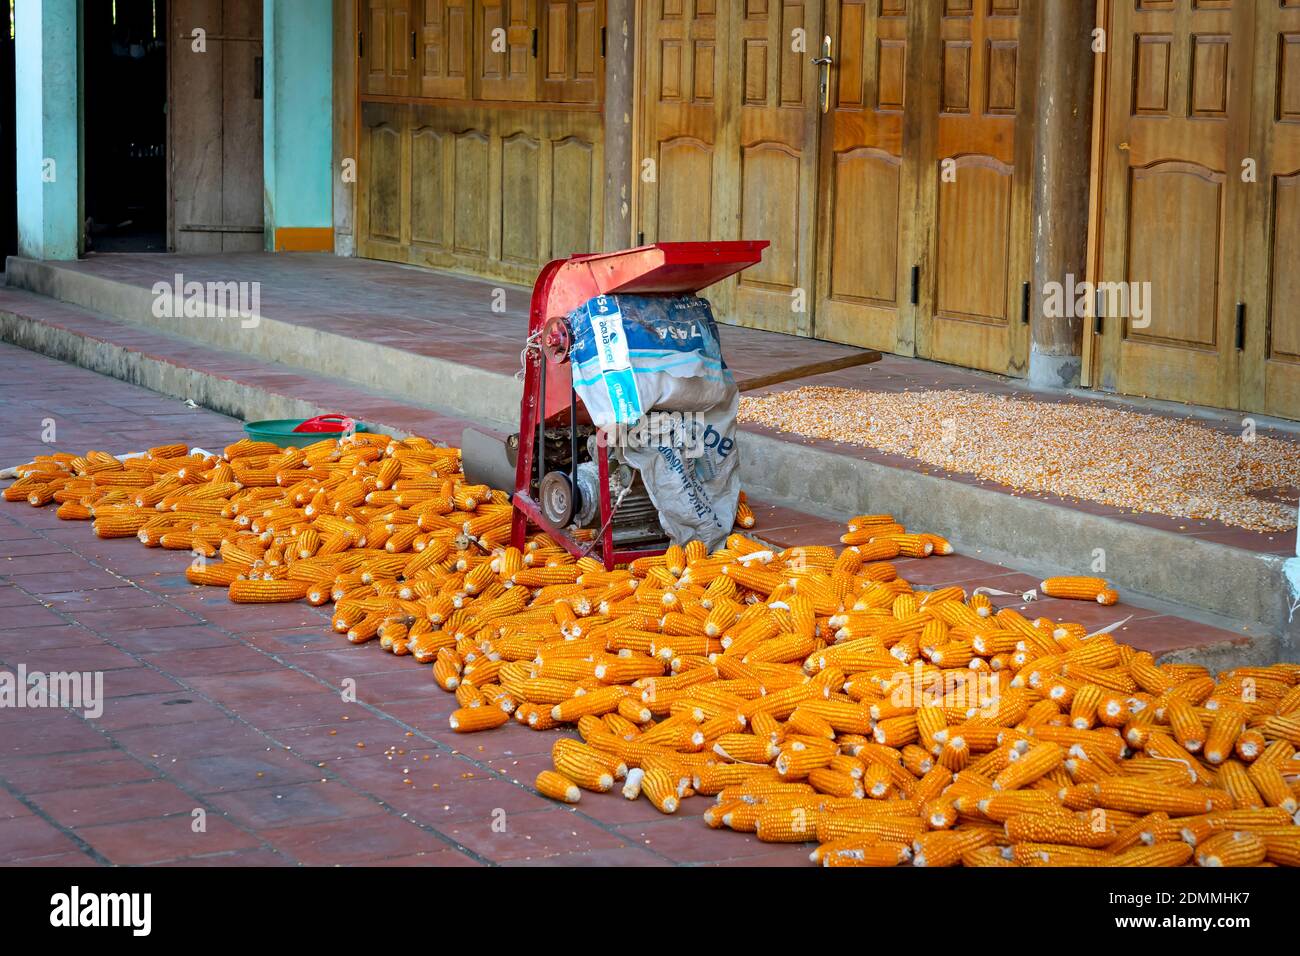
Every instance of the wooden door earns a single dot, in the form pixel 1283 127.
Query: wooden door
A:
pixel 389 46
pixel 442 66
pixel 572 65
pixel 1171 213
pixel 770 140
pixel 506 32
pixel 214 116
pixel 730 135
pixel 972 304
pixel 680 78
pixel 1271 337
pixel 384 196
pixel 865 221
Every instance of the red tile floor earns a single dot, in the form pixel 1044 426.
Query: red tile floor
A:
pixel 238 711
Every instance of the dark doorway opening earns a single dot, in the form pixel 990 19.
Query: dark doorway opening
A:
pixel 125 125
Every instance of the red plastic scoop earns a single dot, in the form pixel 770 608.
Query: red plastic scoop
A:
pixel 331 424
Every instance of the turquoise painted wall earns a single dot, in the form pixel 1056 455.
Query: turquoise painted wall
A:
pixel 47 128
pixel 298 114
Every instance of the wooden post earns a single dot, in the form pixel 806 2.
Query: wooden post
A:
pixel 620 57
pixel 1062 138
pixel 345 126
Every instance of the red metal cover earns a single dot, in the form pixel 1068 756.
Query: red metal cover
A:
pixel 671 267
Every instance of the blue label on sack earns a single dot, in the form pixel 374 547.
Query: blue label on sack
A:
pixel 610 340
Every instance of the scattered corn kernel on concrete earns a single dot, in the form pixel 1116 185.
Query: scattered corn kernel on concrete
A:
pixel 813 692
pixel 1092 451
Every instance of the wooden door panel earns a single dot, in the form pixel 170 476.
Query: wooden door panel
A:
pixel 863 267
pixel 679 86
pixel 975 214
pixel 386 171
pixel 1171 200
pixel 214 182
pixel 1175 232
pixel 428 179
pixel 863 254
pixel 471 169
pixel 384 204
pixel 573 176
pixel 730 132
pixel 572 68
pixel 772 170
pixel 685 192
pixel 980 175
pixel 506 66
pixel 1271 357
pixel 444 49
pixel 769 207
pixel 390 43
pixel 241 175
pixel 387 66
pixel 374 50
pixel 520 187
pixel 1284 299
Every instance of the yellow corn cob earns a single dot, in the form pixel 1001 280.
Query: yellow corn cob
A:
pixel 987 856
pixel 119 524
pixel 876 854
pixel 469 719
pixel 946 848
pixel 584 769
pixel 835 783
pixel 797 761
pixel 263 592
pixel 1029 766
pixel 1185 724
pixel 1228 723
pixel 1282 846
pixel 1233 848
pixel 1250 744
pixel 1053 854
pixel 1078 588
pixel 1161 854
pixel 1272 785
pixel 1140 797
pixel 660 789
pixel 601 701
pixel 789 824
pixel 446 669
pixel 1059 827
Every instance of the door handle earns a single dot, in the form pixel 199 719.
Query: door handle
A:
pixel 823 64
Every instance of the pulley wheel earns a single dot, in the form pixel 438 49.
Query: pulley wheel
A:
pixel 558 499
pixel 556 339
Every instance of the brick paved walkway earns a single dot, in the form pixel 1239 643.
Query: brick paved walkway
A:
pixel 237 711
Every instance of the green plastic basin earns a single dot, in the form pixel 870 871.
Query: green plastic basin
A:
pixel 280 431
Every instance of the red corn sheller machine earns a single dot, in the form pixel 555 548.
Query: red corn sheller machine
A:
pixel 568 481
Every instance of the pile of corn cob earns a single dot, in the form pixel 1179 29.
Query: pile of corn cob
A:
pixel 815 694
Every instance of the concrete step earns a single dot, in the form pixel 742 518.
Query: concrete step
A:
pixel 1241 590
